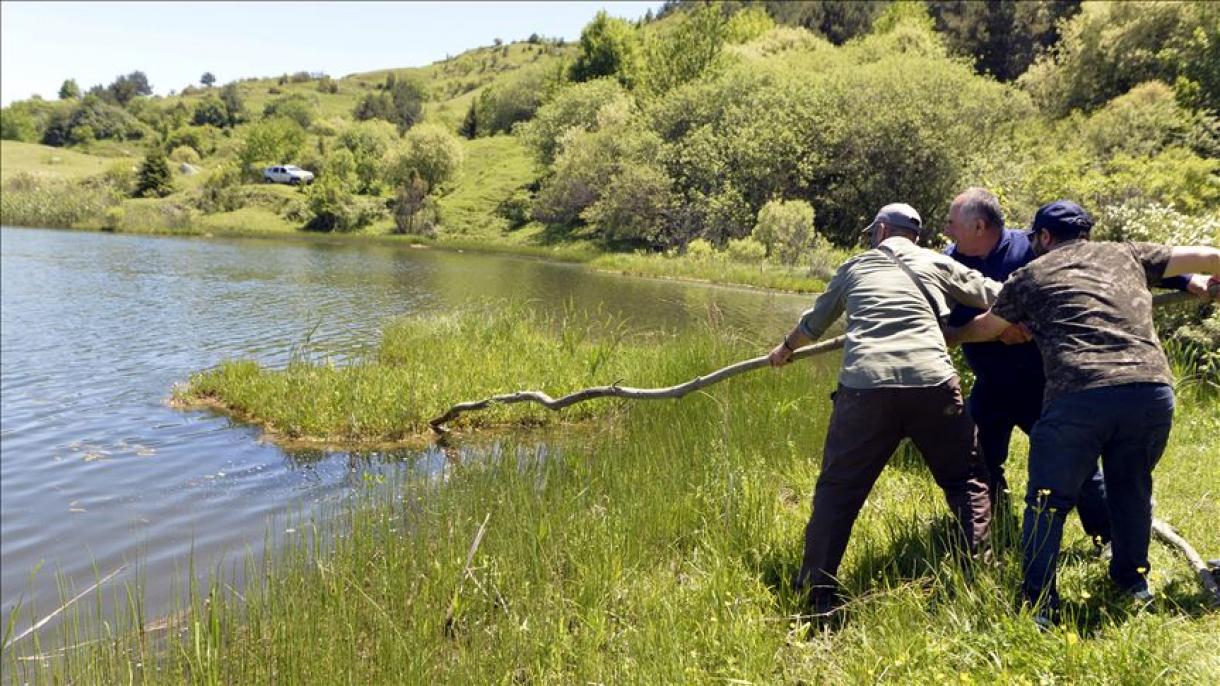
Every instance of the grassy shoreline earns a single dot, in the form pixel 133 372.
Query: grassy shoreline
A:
pixel 652 548
pixel 43 194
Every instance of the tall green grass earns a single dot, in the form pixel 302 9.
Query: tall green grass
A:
pixel 424 365
pixel 653 548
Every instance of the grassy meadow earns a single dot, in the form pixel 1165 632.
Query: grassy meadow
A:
pixel 627 543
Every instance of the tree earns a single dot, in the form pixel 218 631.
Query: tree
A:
pixel 608 47
pixel 1003 37
pixel 125 88
pixel 470 124
pixel 69 90
pixel 837 20
pixel 367 142
pixel 207 79
pixel 154 180
pixel 210 111
pixel 414 210
pixel 270 141
pixel 686 52
pixel 1108 48
pixel 429 152
pixel 234 104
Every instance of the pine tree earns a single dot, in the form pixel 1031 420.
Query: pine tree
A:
pixel 470 125
pixel 154 180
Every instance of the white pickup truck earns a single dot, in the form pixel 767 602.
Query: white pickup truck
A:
pixel 287 173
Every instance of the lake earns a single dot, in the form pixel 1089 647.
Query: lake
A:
pixel 96 471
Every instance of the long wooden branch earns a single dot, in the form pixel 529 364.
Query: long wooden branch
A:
pixel 1206 575
pixel 616 391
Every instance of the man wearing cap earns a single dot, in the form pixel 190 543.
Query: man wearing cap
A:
pixel 896 381
pixel 1108 389
pixel 1009 383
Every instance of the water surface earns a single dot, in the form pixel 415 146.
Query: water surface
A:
pixel 97 471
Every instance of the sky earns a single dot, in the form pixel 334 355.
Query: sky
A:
pixel 174 43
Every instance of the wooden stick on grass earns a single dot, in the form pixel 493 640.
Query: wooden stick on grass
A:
pixel 616 391
pixel 1207 577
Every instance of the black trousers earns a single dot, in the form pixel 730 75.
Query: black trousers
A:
pixel 866 427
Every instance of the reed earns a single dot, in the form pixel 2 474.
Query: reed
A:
pixel 655 546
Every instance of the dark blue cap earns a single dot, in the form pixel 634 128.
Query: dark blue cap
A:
pixel 1062 218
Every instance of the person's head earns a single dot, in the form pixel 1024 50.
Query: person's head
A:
pixel 975 222
pixel 895 219
pixel 1058 222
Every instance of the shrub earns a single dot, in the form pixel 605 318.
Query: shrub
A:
pixel 1143 121
pixel 28 201
pixel 415 211
pixel 367 141
pixel 296 107
pixel 601 167
pixel 331 206
pixel 270 141
pixel 514 99
pixel 701 250
pixel 154 179
pixel 634 206
pixel 1156 223
pixel 17 125
pixel 746 250
pixel 575 106
pixel 200 139
pixel 786 229
pixel 221 189
pixel 184 154
pixel 1108 48
pixel 515 208
pixel 210 111
pixel 748 24
pixel 430 152
pixel 118 179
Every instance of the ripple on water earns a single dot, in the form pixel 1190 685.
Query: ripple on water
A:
pixel 95 469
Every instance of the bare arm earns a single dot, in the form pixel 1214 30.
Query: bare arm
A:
pixel 985 327
pixel 1193 258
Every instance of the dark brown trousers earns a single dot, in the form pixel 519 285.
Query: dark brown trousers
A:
pixel 866 427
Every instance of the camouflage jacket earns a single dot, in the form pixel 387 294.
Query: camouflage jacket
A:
pixel 1089 307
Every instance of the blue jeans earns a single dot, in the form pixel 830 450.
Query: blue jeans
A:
pixel 998 408
pixel 1128 427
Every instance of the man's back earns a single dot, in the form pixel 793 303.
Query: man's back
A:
pixel 893 337
pixel 1090 309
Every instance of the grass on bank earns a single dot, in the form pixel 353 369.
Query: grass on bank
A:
pixel 655 548
pixel 424 365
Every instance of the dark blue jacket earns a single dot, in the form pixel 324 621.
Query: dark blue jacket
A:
pixel 995 363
